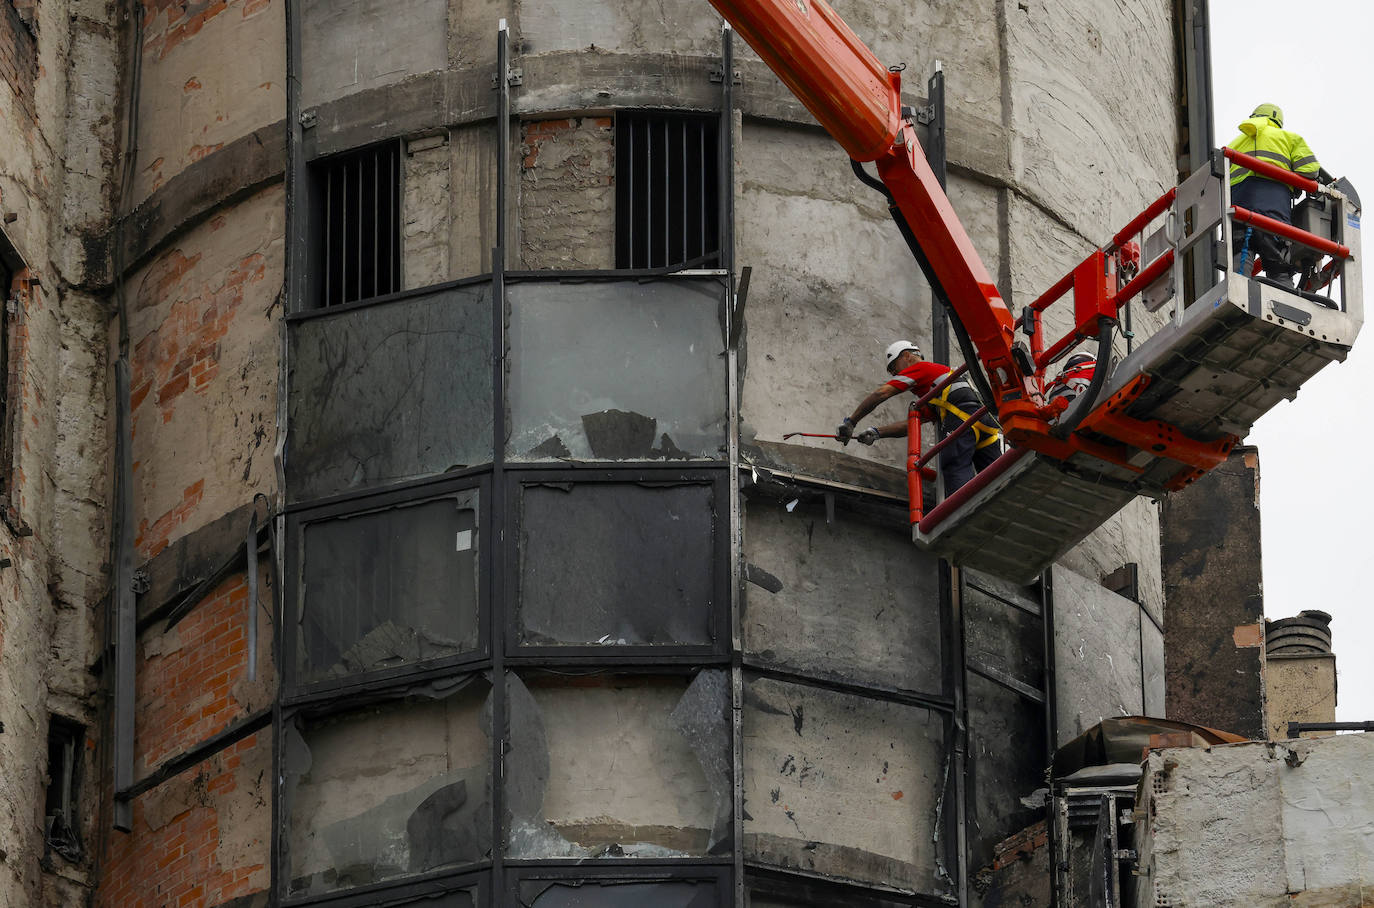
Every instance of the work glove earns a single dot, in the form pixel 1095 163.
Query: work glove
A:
pixel 867 436
pixel 845 431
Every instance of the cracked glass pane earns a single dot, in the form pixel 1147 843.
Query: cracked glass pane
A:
pixel 388 791
pixel 647 382
pixel 616 563
pixel 846 598
pixel 385 393
pixel 610 766
pixel 844 785
pixel 619 894
pixel 390 587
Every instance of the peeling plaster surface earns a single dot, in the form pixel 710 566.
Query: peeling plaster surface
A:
pixel 567 193
pixel 195 97
pixel 205 353
pixel 57 145
pixel 1260 825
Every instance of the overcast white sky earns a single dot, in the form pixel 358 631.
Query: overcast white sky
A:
pixel 1316 470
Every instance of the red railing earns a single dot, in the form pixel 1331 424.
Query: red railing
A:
pixel 1288 231
pixel 1091 283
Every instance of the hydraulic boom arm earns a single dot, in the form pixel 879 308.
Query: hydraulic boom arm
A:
pixel 858 101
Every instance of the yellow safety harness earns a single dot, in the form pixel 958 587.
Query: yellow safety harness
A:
pixel 985 435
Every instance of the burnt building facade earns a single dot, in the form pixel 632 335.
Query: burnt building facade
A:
pixel 427 529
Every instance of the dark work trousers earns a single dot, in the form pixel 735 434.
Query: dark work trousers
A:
pixel 960 460
pixel 1271 199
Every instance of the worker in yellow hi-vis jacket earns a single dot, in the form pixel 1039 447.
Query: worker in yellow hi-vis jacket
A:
pixel 1263 136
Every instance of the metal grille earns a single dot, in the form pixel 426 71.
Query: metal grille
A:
pixel 357 225
pixel 667 197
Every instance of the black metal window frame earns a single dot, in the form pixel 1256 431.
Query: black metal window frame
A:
pixel 627 870
pixel 827 892
pixel 418 892
pixel 695 655
pixel 659 223
pixel 334 280
pixel 293 691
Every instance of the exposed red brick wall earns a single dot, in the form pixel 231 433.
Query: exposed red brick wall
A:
pixel 167 23
pixel 18 51
pixel 199 839
pixel 193 679
pixel 181 356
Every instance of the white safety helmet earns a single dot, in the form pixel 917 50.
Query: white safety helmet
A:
pixel 897 348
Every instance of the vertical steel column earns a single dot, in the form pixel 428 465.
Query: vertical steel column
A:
pixel 725 236
pixel 126 608
pixel 1196 52
pixel 1054 832
pixel 937 154
pixel 298 287
pixel 497 585
pixel 952 602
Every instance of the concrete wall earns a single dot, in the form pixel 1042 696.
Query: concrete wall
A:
pixel 1298 688
pixel 1258 825
pixel 58 83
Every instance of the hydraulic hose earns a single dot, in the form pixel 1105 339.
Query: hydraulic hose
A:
pixel 970 353
pixel 1088 401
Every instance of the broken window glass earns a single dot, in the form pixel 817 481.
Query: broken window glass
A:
pixel 617 563
pixel 400 390
pixel 845 598
pixel 1006 763
pixel 647 383
pixel 389 790
pixel 386 588
pixel 61 823
pixel 845 786
pixel 611 766
pixel 618 894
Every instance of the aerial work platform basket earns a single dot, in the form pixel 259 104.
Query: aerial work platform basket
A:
pixel 1178 401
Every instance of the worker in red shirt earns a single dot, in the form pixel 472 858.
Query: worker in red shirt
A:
pixel 968 453
pixel 1073 379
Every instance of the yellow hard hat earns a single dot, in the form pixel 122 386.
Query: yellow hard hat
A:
pixel 1272 111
